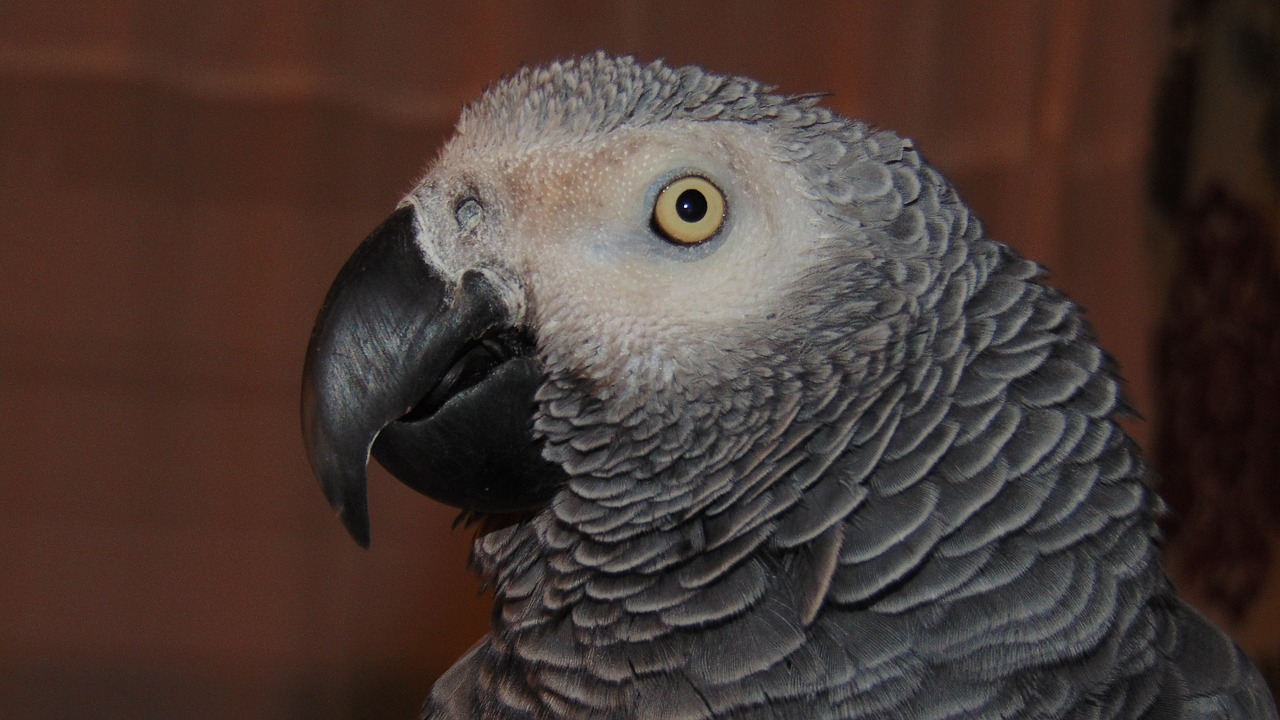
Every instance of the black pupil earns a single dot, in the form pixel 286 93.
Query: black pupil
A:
pixel 691 206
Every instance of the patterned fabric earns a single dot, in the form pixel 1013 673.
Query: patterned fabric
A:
pixel 1215 189
pixel 1217 358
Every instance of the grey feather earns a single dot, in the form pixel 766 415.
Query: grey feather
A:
pixel 901 494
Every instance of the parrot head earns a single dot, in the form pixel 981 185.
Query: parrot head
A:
pixel 594 284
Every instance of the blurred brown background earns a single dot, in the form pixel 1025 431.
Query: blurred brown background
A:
pixel 180 181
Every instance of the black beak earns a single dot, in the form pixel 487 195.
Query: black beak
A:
pixel 426 374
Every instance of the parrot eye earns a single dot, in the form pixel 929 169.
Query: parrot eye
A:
pixel 689 211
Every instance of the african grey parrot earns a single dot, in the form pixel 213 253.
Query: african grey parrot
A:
pixel 759 421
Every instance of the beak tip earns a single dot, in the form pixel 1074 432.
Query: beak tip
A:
pixel 352 508
pixel 357 527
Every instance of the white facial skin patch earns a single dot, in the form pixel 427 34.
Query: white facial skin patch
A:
pixel 576 221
